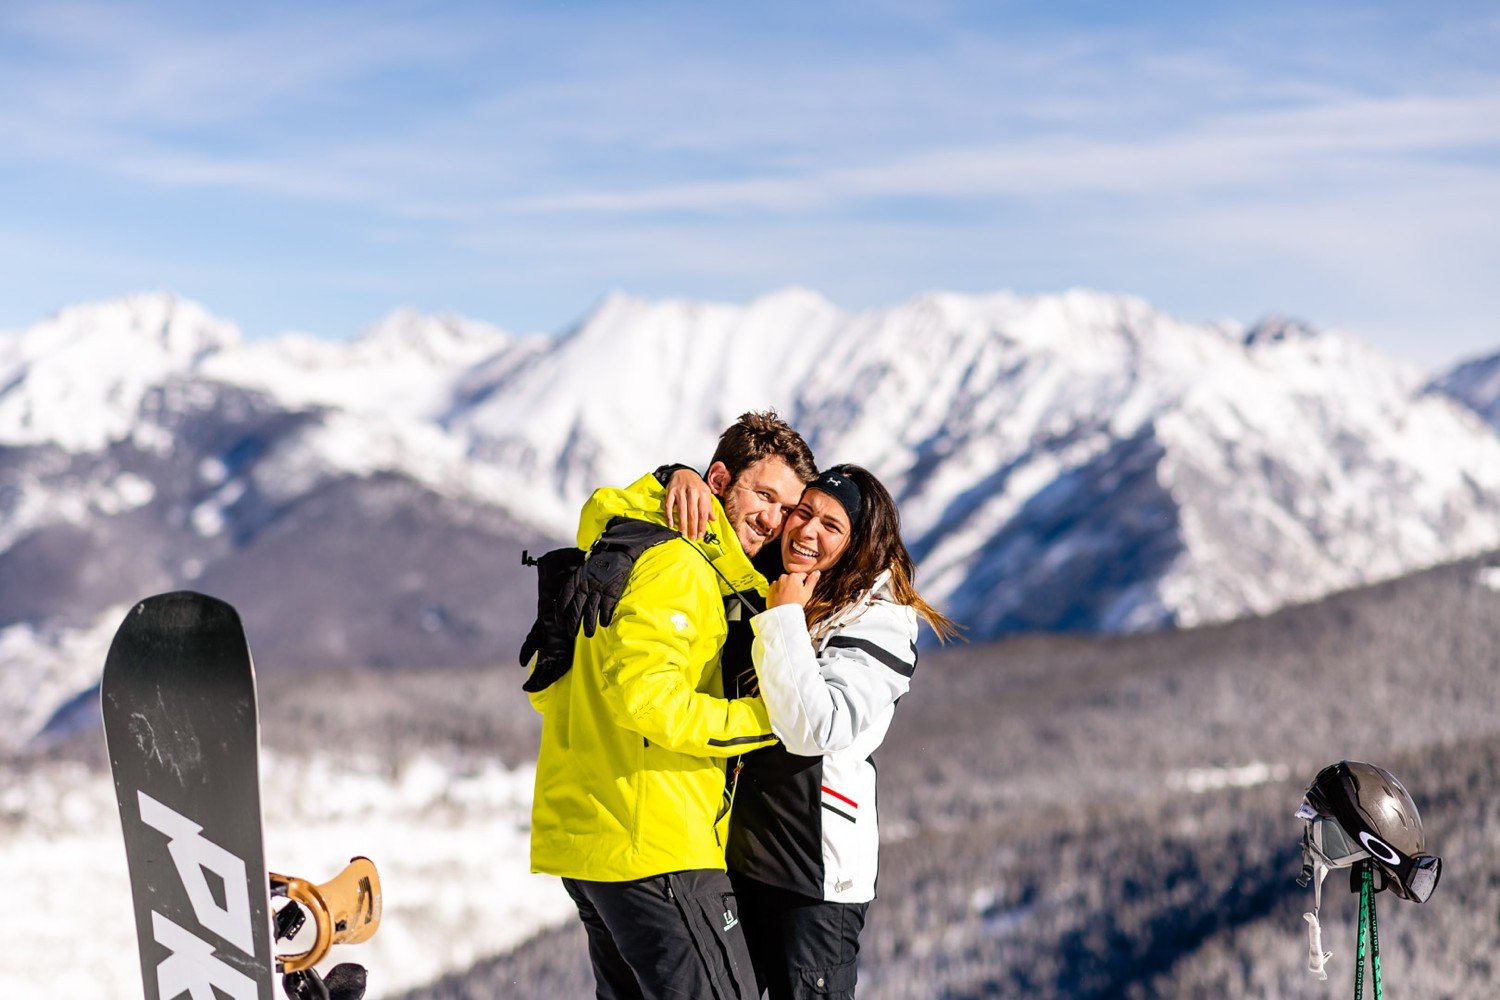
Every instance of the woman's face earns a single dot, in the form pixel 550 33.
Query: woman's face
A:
pixel 815 534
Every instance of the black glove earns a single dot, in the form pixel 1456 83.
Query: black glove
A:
pixel 589 597
pixel 553 570
pixel 553 649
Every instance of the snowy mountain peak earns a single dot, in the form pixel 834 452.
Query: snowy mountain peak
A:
pixel 793 298
pixel 160 322
pixel 1279 329
pixel 76 380
pixel 1311 358
pixel 1096 305
pixel 619 310
pixel 407 334
pixel 1475 384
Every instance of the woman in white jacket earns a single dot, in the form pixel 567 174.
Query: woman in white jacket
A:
pixel 833 652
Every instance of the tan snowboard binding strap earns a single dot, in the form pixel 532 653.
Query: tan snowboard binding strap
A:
pixel 345 910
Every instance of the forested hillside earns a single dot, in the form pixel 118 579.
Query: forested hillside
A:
pixel 1112 817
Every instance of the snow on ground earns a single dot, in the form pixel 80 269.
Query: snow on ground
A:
pixel 450 843
pixel 1198 780
pixel 43 666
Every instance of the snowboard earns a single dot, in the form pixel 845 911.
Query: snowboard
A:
pixel 182 730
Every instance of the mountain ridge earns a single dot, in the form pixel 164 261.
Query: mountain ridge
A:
pixel 1074 462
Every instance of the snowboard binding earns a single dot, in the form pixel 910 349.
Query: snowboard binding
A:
pixel 345 910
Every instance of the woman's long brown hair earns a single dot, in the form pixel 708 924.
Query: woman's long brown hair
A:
pixel 874 546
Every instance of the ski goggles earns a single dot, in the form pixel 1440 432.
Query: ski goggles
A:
pixel 1415 877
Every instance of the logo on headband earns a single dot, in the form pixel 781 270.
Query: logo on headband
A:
pixel 844 490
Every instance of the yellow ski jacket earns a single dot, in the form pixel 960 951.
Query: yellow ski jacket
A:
pixel 630 776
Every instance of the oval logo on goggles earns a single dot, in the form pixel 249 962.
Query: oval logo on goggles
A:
pixel 1385 852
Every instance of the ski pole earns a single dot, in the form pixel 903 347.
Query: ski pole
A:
pixel 1367 930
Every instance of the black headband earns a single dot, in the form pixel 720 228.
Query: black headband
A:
pixel 841 488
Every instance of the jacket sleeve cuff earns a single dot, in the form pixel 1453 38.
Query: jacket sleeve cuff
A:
pixel 664 473
pixel 784 615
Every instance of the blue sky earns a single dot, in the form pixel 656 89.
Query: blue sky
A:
pixel 312 166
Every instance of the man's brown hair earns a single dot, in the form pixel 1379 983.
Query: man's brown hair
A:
pixel 763 434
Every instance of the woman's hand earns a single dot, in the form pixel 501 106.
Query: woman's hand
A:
pixel 792 588
pixel 690 503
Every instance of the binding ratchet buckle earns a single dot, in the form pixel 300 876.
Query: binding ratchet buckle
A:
pixel 345 910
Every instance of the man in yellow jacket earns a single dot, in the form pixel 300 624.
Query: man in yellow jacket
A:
pixel 631 803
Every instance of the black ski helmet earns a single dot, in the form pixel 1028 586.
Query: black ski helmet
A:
pixel 1356 810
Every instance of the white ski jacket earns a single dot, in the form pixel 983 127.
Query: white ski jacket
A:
pixel 830 695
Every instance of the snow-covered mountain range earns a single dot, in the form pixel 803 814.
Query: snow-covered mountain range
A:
pixel 1075 461
pixel 1476 384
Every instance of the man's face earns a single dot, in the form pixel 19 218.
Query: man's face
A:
pixel 757 501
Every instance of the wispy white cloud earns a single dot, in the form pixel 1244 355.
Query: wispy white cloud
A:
pixel 1326 144
pixel 807 138
pixel 852 147
pixel 133 65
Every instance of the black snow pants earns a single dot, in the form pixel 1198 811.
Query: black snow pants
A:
pixel 668 937
pixel 803 948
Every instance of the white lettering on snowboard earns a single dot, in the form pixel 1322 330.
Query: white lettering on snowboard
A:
pixel 192 966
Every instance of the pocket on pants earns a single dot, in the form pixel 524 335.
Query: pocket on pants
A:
pixel 713 923
pixel 833 982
